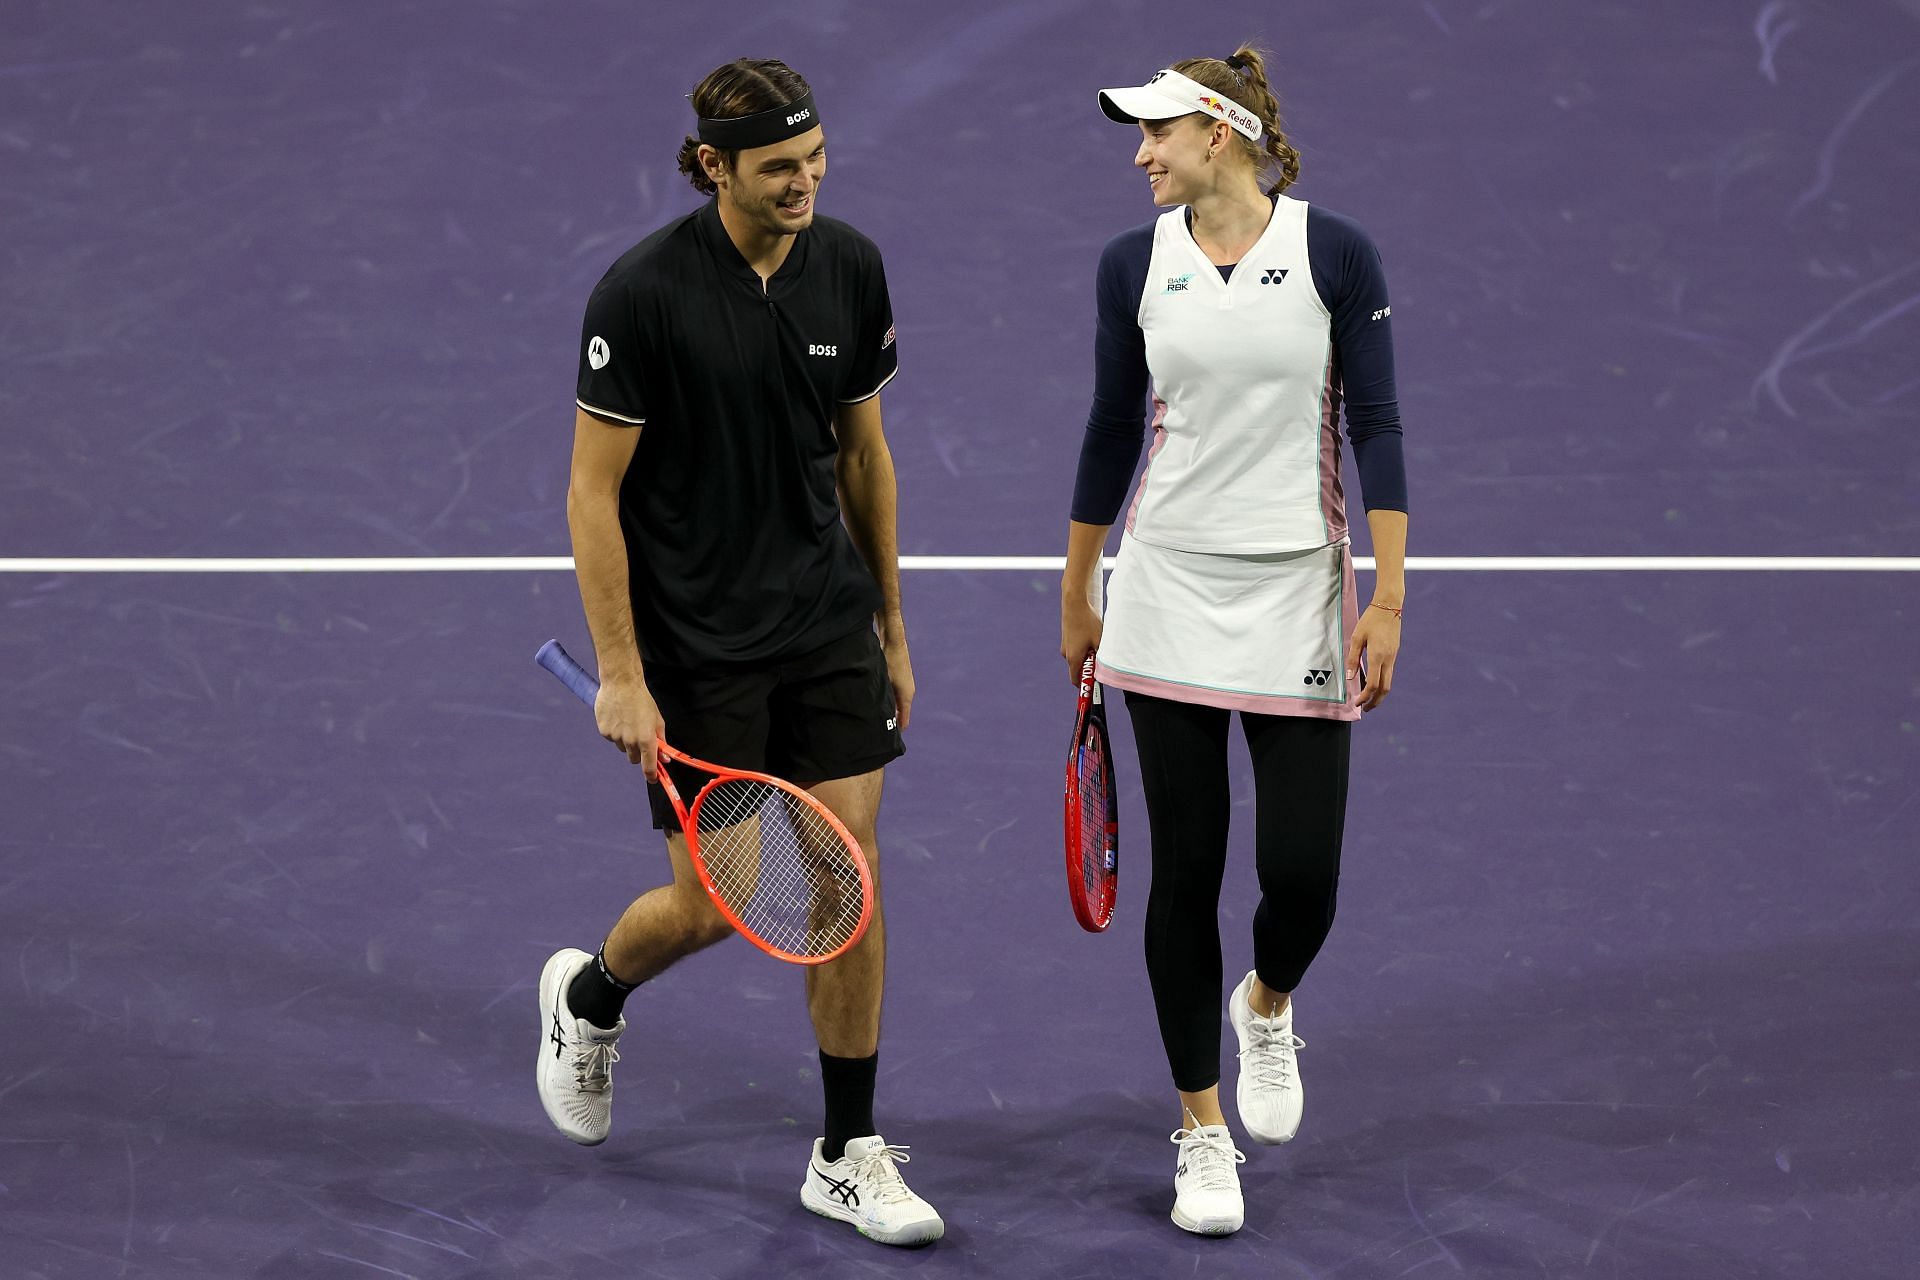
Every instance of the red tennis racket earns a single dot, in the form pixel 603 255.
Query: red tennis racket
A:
pixel 1092 811
pixel 779 866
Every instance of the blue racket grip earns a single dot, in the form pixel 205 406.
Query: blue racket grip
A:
pixel 570 673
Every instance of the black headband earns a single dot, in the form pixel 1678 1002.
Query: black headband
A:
pixel 743 133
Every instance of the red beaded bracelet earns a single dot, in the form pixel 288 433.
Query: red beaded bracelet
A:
pixel 1386 607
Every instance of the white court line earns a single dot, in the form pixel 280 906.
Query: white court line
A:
pixel 557 564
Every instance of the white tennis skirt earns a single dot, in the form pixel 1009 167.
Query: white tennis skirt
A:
pixel 1262 633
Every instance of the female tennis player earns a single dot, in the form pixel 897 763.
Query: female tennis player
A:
pixel 1254 316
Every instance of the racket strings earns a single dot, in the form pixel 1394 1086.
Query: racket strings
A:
pixel 1093 784
pixel 1094 798
pixel 779 866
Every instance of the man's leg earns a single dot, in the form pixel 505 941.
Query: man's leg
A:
pixel 843 995
pixel 581 996
pixel 853 1174
pixel 664 924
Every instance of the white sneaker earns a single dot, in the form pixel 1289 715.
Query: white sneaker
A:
pixel 1206 1183
pixel 865 1188
pixel 576 1057
pixel 1269 1093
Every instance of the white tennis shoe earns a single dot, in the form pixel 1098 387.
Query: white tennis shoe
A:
pixel 864 1187
pixel 1206 1182
pixel 1269 1093
pixel 576 1057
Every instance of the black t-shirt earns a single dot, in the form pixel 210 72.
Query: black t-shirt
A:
pixel 735 549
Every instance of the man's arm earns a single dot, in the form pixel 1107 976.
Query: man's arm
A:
pixel 868 498
pixel 624 710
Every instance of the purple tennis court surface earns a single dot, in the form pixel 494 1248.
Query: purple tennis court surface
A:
pixel 1627 975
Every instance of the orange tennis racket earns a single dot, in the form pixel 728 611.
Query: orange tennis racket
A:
pixel 1092 811
pixel 784 871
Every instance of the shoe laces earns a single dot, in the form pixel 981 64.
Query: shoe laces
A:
pixel 1208 1159
pixel 876 1170
pixel 593 1065
pixel 1268 1057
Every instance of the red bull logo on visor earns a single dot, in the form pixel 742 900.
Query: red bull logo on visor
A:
pixel 1231 112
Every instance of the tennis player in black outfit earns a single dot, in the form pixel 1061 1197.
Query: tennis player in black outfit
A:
pixel 728 405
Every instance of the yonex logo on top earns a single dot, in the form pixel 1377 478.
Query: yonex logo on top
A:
pixel 1274 275
pixel 1316 677
pixel 1383 313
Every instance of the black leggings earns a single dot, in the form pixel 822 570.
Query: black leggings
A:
pixel 1300 805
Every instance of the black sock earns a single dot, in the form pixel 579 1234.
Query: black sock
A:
pixel 848 1083
pixel 596 995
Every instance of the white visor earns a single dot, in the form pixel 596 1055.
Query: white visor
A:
pixel 1169 94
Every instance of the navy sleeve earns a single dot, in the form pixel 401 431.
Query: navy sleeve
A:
pixel 1116 425
pixel 1350 280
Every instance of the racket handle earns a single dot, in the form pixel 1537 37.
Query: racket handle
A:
pixel 570 673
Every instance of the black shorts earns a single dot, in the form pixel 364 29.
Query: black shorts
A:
pixel 823 715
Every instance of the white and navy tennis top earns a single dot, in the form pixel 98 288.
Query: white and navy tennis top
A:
pixel 1249 366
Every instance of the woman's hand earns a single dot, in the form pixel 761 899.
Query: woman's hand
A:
pixel 1080 628
pixel 1377 637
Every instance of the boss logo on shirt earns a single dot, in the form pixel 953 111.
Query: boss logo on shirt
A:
pixel 822 349
pixel 1179 284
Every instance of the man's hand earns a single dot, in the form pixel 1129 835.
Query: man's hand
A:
pixel 629 719
pixel 900 672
